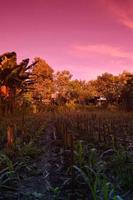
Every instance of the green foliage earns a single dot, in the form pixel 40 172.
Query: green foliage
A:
pixel 55 193
pixel 101 155
pixel 4 160
pixel 79 153
pixel 30 150
pixel 7 175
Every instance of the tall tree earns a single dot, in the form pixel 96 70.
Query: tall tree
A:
pixel 43 87
pixel 14 80
pixel 62 81
pixel 61 85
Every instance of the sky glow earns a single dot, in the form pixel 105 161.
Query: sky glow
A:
pixel 86 37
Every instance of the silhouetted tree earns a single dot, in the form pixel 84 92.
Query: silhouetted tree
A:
pixel 14 80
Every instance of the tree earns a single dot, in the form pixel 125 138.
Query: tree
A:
pixel 61 85
pixel 127 94
pixel 14 80
pixel 75 88
pixel 43 87
pixel 62 80
pixel 108 86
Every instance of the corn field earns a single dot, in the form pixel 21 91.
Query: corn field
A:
pixel 91 153
pixel 99 148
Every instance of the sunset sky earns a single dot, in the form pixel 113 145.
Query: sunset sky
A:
pixel 86 37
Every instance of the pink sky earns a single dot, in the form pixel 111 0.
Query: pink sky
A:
pixel 86 37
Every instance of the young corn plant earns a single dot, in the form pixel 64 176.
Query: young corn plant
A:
pixel 7 175
pixel 98 186
pixel 79 153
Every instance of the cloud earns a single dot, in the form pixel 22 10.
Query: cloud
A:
pixel 101 49
pixel 122 10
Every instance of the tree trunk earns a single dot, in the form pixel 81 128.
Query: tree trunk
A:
pixel 10 135
pixel 11 127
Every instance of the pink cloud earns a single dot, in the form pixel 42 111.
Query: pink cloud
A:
pixel 102 49
pixel 122 10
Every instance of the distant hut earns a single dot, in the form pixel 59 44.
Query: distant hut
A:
pixel 101 101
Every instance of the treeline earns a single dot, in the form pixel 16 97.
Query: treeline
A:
pixel 60 88
pixel 37 84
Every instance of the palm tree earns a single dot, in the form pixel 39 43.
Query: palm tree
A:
pixel 15 79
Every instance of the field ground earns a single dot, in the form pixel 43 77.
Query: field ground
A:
pixel 66 155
